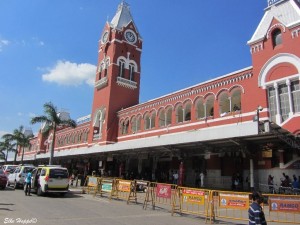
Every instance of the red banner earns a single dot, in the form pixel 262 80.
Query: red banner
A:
pixel 163 191
pixel 283 204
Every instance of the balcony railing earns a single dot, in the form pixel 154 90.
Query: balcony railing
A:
pixel 126 83
pixel 101 83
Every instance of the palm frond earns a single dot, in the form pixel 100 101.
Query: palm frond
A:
pixel 40 119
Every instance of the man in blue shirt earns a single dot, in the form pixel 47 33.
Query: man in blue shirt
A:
pixel 28 183
pixel 255 212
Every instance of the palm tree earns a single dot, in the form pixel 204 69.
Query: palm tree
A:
pixel 7 145
pixel 25 142
pixel 52 121
pixel 16 136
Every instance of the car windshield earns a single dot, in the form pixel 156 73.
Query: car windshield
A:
pixel 28 169
pixel 58 173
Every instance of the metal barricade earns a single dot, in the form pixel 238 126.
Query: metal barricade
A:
pixel 91 184
pixel 194 201
pixel 124 189
pixel 230 205
pixel 105 187
pixel 162 194
pixel 282 208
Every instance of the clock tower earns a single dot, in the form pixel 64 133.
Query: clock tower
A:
pixel 117 82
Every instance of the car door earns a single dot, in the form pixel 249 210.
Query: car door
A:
pixel 12 176
pixel 34 177
pixel 58 178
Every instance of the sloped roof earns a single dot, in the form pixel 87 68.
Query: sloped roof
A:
pixel 286 12
pixel 122 17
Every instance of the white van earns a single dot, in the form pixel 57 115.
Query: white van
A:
pixel 50 179
pixel 17 178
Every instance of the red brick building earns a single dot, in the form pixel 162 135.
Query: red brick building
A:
pixel 245 122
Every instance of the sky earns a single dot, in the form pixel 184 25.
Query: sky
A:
pixel 49 49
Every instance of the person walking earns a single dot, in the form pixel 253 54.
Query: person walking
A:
pixel 28 183
pixel 255 212
pixel 202 178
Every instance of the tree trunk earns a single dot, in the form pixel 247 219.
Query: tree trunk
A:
pixel 22 154
pixel 15 159
pixel 6 156
pixel 52 146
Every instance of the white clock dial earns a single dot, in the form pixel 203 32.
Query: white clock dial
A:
pixel 104 37
pixel 130 36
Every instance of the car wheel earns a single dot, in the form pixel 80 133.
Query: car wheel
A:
pixel 39 191
pixel 62 194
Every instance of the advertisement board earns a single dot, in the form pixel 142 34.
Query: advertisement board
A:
pixel 193 196
pixel 163 191
pixel 234 201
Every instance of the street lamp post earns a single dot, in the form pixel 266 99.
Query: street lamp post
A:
pixel 256 118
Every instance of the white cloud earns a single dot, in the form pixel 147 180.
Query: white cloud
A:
pixel 2 132
pixel 71 74
pixel 3 43
pixel 20 114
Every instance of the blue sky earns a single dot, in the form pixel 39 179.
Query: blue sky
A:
pixel 48 49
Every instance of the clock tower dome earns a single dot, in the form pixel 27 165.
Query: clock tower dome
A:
pixel 117 82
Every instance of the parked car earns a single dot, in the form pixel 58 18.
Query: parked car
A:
pixel 50 179
pixel 3 179
pixel 17 178
pixel 9 169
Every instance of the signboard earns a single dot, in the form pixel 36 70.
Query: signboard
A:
pixel 267 153
pixel 285 204
pixel 272 2
pixel 107 187
pixel 124 186
pixel 234 201
pixel 93 181
pixel 193 196
pixel 163 191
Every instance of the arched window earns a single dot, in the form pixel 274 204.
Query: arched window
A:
pixel 236 100
pixel 98 123
pixel 276 37
pixel 224 104
pixel 162 118
pixel 200 109
pixel 179 114
pixel 187 111
pixel 121 68
pixel 138 122
pixel 209 105
pixel 295 88
pixel 131 72
pixel 124 127
pixel 168 116
pixel 147 122
pixel 150 120
pixel 106 67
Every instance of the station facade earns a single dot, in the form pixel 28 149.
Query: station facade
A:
pixel 246 122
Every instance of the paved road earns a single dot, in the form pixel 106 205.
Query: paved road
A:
pixel 75 208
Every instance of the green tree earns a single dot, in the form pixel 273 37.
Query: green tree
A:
pixel 16 136
pixel 52 121
pixel 24 143
pixel 8 146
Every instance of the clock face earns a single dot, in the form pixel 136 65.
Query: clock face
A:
pixel 130 36
pixel 104 37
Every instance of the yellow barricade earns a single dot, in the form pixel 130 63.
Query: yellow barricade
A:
pixel 282 208
pixel 106 186
pixel 230 205
pixel 124 189
pixel 234 205
pixel 162 194
pixel 194 201
pixel 90 184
